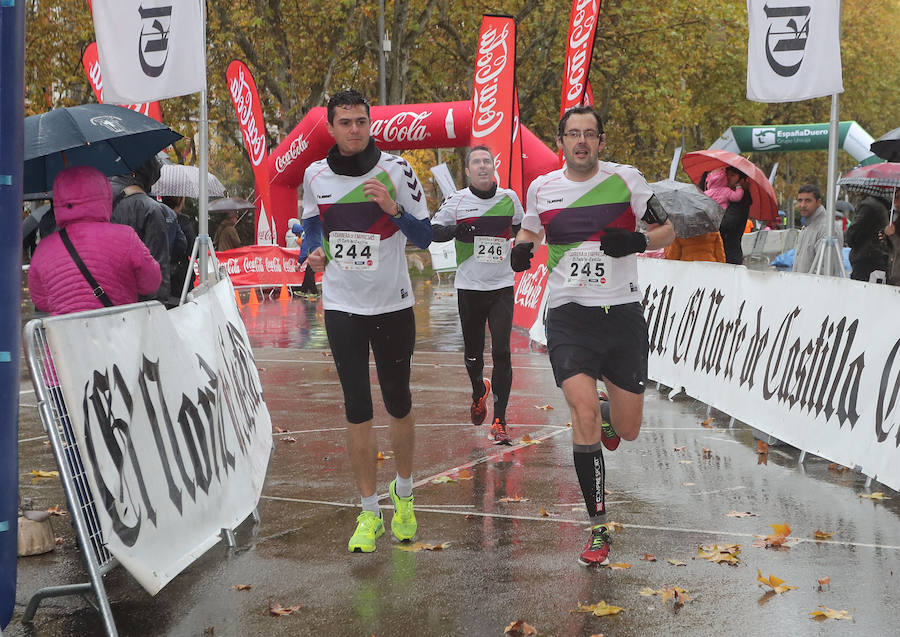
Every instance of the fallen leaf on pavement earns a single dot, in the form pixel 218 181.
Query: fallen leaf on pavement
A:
pixel 599 609
pixel 619 566
pixel 209 630
pixel 707 453
pixel 520 629
pixel 687 484
pixel 278 610
pixel 878 495
pixel 242 587
pixel 676 593
pixel 543 407
pixel 828 613
pixel 775 583
pixel 727 553
pixel 278 430
pixel 289 439
pixel 740 514
pixel 55 510
pixel 762 447
pixel 515 498
pixel 822 535
pixel 40 473
pixel 528 440
pixel 776 539
pixel 59 541
pixel 649 558
pixel 545 514
pixel 686 461
pixel 465 474
pixel 707 423
pixel 681 448
pixel 443 480
pixel 825 581
pixel 675 562
pixel 615 526
pixel 415 547
pixel 837 468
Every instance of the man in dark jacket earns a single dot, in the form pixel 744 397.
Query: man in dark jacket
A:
pixel 132 206
pixel 868 249
pixel 735 219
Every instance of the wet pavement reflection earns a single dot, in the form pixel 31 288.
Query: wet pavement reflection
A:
pixel 513 517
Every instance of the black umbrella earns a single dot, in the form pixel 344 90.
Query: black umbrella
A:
pixel 887 146
pixel 111 138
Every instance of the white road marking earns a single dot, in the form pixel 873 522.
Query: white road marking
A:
pixel 585 523
pixel 464 425
pixel 719 490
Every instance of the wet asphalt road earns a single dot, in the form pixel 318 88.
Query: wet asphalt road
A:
pixel 505 560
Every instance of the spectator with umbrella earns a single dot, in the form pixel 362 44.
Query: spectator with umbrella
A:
pixel 90 262
pixel 180 259
pixel 869 250
pixel 696 218
pixel 892 234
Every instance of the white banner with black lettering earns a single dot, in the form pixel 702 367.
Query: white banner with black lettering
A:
pixel 149 49
pixel 793 50
pixel 811 360
pixel 169 415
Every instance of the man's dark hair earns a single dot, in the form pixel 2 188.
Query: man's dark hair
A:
pixel 473 149
pixel 579 110
pixel 172 202
pixel 346 98
pixel 811 189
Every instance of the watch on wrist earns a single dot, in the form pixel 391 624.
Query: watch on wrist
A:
pixel 400 211
pixel 646 238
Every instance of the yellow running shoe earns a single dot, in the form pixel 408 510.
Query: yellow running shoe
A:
pixel 369 527
pixel 403 524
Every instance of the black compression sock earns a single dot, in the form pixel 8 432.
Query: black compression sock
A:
pixel 591 474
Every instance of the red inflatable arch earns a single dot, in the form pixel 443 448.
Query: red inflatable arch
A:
pixel 395 127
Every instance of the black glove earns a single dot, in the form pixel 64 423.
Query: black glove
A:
pixel 464 231
pixel 619 243
pixel 520 256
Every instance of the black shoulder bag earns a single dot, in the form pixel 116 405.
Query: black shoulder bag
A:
pixel 95 287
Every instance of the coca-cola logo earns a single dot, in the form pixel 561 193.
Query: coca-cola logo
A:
pixel 531 287
pixel 405 126
pixel 293 152
pixel 254 137
pixel 493 56
pixel 584 17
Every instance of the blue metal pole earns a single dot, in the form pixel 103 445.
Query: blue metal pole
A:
pixel 12 123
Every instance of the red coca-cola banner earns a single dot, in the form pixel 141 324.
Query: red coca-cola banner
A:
pixel 245 98
pixel 530 286
pixel 494 90
pixel 395 127
pixel 579 50
pixel 262 265
pixel 517 163
pixel 91 64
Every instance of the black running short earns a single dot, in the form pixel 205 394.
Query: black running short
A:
pixel 392 337
pixel 600 342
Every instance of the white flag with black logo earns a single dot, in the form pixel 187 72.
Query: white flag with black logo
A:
pixel 149 49
pixel 794 49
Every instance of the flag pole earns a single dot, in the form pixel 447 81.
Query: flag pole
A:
pixel 203 214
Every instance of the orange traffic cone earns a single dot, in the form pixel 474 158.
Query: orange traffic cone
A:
pixel 285 294
pixel 253 299
pixel 237 297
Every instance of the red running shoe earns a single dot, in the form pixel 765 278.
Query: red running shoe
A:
pixel 596 552
pixel 499 433
pixel 478 411
pixel 610 438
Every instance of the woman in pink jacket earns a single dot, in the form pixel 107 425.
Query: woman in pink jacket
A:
pixel 112 253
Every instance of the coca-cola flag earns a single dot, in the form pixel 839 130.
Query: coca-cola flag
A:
pixel 579 50
pixel 150 49
pixel 91 65
pixel 493 92
pixel 245 98
pixel 793 50
pixel 517 162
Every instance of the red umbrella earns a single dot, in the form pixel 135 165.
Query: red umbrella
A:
pixel 764 206
pixel 875 179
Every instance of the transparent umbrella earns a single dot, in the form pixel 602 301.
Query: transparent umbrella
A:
pixel 178 180
pixel 692 213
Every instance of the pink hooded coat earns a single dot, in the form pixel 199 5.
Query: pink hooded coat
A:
pixel 113 253
pixel 717 188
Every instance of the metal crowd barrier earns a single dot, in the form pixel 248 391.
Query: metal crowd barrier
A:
pixel 55 419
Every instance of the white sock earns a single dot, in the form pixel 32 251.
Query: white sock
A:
pixel 370 503
pixel 403 486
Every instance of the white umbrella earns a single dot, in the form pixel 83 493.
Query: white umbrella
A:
pixel 692 212
pixel 178 180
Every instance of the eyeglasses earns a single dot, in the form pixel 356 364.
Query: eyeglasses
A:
pixel 589 135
